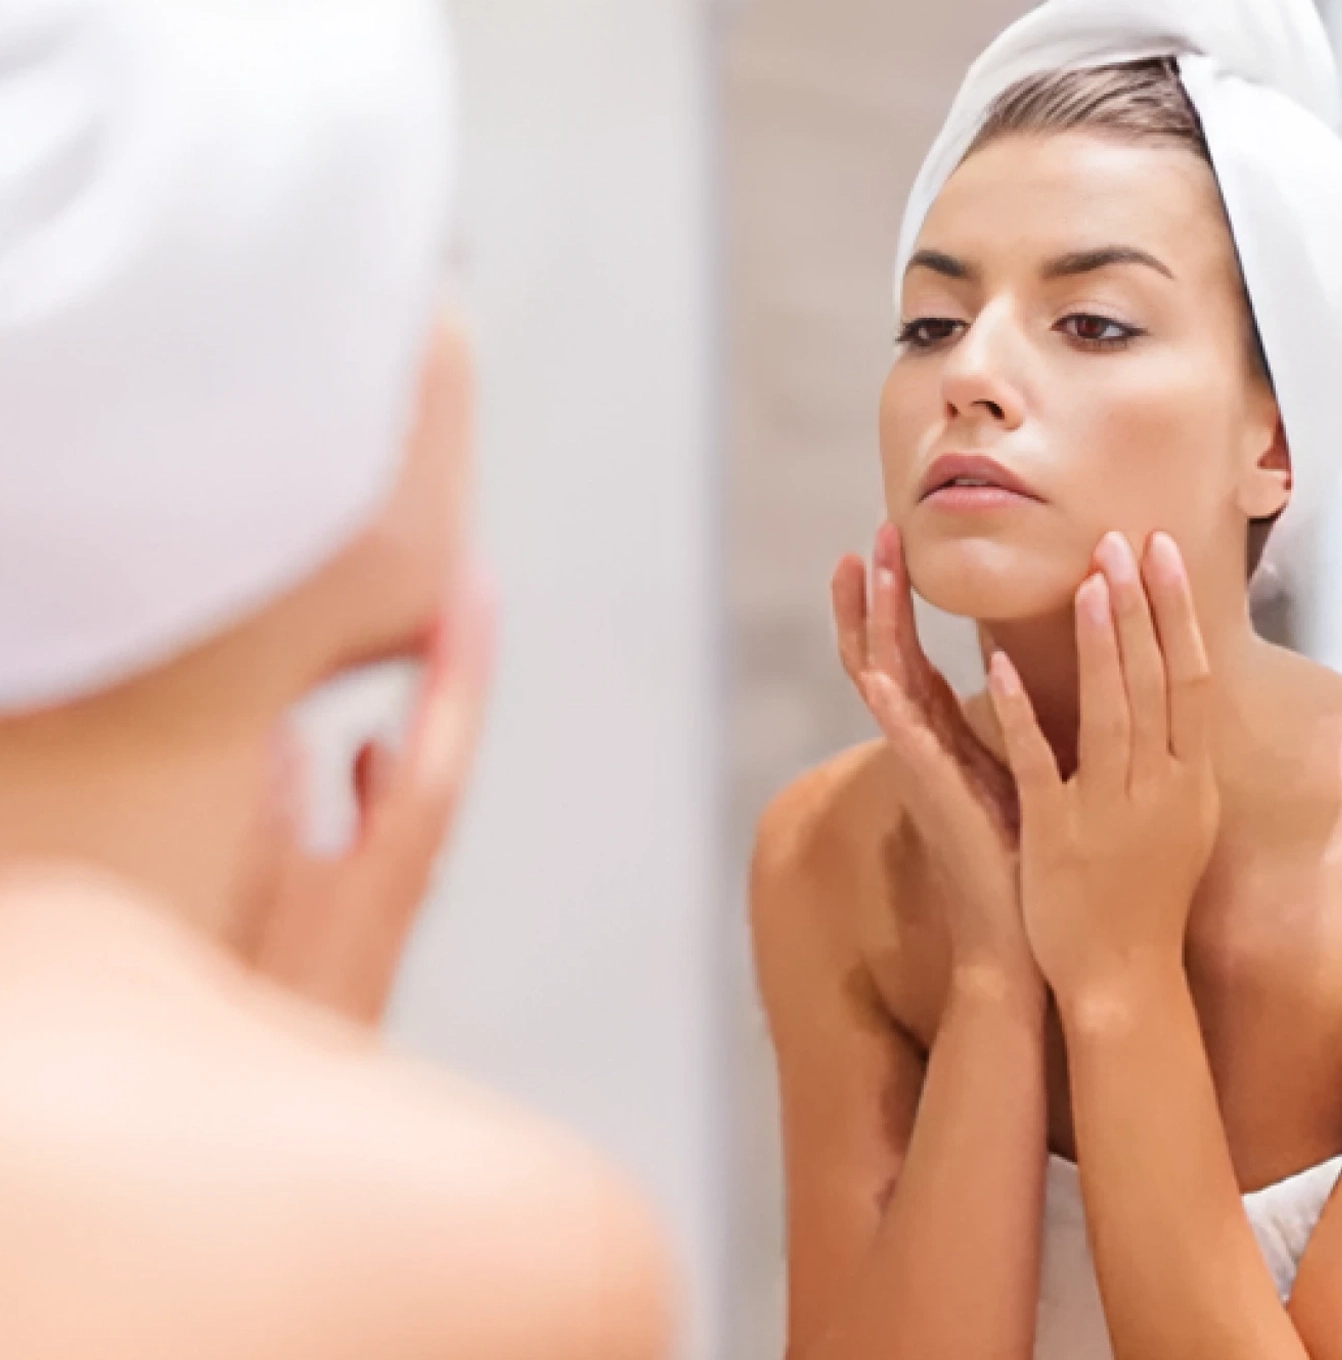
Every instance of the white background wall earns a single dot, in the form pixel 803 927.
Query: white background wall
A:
pixel 571 959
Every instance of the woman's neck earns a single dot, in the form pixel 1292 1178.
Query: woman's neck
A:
pixel 160 792
pixel 1044 653
pixel 1043 650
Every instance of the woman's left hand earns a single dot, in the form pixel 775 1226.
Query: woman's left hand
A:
pixel 333 928
pixel 1111 858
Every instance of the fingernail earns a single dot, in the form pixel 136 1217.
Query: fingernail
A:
pixel 1115 555
pixel 1166 557
pixel 1093 597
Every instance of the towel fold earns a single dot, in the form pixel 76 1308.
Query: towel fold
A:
pixel 222 231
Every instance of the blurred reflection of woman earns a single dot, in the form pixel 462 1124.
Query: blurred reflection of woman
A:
pixel 1054 975
pixel 235 463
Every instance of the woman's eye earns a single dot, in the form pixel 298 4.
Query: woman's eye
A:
pixel 928 331
pixel 1098 330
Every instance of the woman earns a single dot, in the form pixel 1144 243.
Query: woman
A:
pixel 236 463
pixel 1055 976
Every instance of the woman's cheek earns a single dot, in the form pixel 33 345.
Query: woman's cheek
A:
pixel 1158 459
pixel 901 438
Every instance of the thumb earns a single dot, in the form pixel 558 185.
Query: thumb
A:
pixel 924 764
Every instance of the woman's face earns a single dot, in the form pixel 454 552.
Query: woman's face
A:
pixel 1074 316
pixel 391 584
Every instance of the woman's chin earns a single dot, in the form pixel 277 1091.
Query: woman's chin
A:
pixel 991 581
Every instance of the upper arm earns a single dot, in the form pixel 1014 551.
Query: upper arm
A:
pixel 1316 1304
pixel 849 1077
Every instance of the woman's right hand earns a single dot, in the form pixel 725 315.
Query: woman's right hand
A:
pixel 960 798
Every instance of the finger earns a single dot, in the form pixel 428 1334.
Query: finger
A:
pixel 1142 664
pixel 445 730
pixel 895 646
pixel 926 772
pixel 848 591
pixel 1028 752
pixel 1104 743
pixel 1185 653
pixel 886 650
pixel 898 717
pixel 917 669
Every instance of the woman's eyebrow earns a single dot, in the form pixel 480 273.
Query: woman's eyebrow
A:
pixel 940 263
pixel 1063 267
pixel 1104 257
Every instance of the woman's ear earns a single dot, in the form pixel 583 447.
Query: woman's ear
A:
pixel 1265 488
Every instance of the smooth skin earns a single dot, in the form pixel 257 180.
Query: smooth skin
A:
pixel 1133 955
pixel 207 1148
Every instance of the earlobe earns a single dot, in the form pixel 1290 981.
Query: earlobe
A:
pixel 1266 488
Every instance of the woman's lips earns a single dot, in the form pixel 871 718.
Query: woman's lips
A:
pixel 968 482
pixel 968 498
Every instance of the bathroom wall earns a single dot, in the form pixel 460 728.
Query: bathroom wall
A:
pixel 569 957
pixel 830 106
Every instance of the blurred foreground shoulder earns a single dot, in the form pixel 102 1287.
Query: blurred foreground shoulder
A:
pixel 196 1167
pixel 546 1250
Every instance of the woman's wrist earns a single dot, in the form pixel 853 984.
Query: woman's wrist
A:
pixel 1123 996
pixel 1009 989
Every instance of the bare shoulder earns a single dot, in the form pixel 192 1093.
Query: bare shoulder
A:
pixel 1294 740
pixel 194 1164
pixel 815 825
pixel 823 860
pixel 1319 687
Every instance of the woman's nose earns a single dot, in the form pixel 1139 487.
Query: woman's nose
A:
pixel 979 378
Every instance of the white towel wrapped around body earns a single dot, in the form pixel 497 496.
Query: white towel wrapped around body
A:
pixel 1262 77
pixel 222 230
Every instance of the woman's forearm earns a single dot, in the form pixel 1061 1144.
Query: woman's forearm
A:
pixel 954 1270
pixel 1180 1270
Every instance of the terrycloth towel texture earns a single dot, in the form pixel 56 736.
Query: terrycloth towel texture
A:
pixel 222 231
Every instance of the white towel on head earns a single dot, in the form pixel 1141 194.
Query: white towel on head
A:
pixel 223 225
pixel 1262 76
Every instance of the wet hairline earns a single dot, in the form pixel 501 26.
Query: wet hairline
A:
pixel 1116 137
